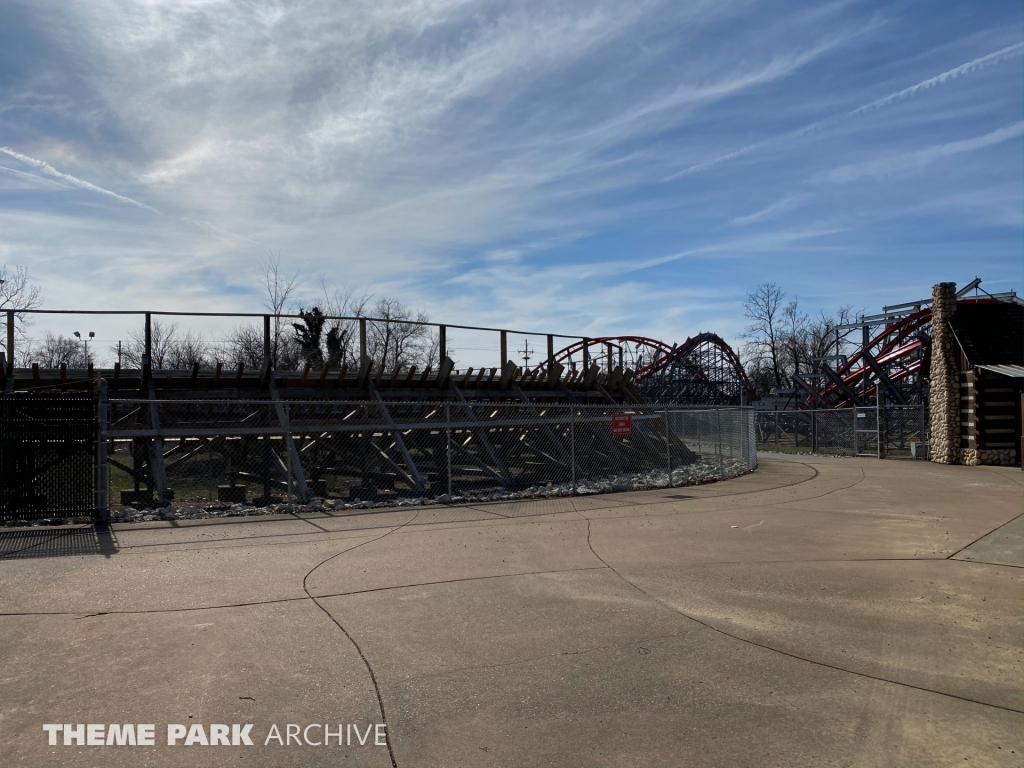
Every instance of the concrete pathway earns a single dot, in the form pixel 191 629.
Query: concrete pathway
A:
pixel 818 611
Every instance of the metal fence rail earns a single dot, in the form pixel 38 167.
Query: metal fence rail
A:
pixel 259 452
pixel 891 431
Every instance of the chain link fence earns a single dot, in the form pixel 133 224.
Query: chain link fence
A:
pixel 206 454
pixel 893 431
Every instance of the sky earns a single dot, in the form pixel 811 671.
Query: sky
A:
pixel 593 168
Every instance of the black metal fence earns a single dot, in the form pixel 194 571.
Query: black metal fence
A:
pixel 893 431
pixel 47 455
pixel 260 452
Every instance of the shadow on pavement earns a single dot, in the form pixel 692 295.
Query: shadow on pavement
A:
pixel 57 542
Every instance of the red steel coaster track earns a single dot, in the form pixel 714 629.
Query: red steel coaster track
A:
pixel 702 370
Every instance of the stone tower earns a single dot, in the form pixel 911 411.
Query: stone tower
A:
pixel 944 389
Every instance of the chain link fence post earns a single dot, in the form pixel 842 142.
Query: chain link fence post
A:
pixel 572 445
pixel 718 429
pixel 448 433
pixel 668 449
pixel 880 422
pixel 288 462
pixel 102 466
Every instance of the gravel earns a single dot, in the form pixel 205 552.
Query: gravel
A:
pixel 698 473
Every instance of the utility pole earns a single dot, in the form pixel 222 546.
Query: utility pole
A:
pixel 525 351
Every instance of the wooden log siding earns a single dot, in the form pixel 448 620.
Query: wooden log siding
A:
pixel 988 410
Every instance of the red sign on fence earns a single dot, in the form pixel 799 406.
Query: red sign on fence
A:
pixel 622 424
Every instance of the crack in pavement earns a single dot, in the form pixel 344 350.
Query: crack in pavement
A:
pixel 766 647
pixel 140 612
pixel 338 624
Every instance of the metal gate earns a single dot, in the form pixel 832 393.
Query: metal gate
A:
pixel 47 455
pixel 865 431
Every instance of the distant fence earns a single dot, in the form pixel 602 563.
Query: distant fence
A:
pixel 893 431
pixel 259 452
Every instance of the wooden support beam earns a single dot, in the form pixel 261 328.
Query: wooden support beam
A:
pixel 380 374
pixel 63 373
pixel 400 442
pixel 323 377
pixel 394 376
pixel 481 435
pixel 504 349
pixel 479 378
pixel 216 374
pixel 604 394
pixel 554 371
pixel 614 379
pixel 423 377
pixel 305 374
pixel 490 376
pixel 195 374
pixel 447 364
pixel 341 375
pixel 148 349
pixel 408 378
pixel 466 378
pixel 35 375
pixel 591 377
pixel 363 376
pixel 10 343
pixel 238 375
pixel 509 373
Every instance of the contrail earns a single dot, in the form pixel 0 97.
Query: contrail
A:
pixel 73 180
pixel 33 177
pixel 963 69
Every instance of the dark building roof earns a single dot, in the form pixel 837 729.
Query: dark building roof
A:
pixel 990 333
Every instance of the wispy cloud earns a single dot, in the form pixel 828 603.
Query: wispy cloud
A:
pixel 74 181
pixel 887 167
pixel 981 62
pixel 504 163
pixel 779 207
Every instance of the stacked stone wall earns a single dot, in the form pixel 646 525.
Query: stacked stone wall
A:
pixel 998 457
pixel 944 387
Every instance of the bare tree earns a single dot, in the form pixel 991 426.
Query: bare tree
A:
pixel 55 351
pixel 279 291
pixel 393 338
pixel 764 348
pixel 825 337
pixel 342 337
pixel 169 349
pixel 16 292
pixel 784 341
pixel 243 345
pixel 794 334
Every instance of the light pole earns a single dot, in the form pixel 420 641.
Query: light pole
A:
pixel 85 342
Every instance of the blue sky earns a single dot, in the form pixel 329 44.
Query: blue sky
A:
pixel 590 168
